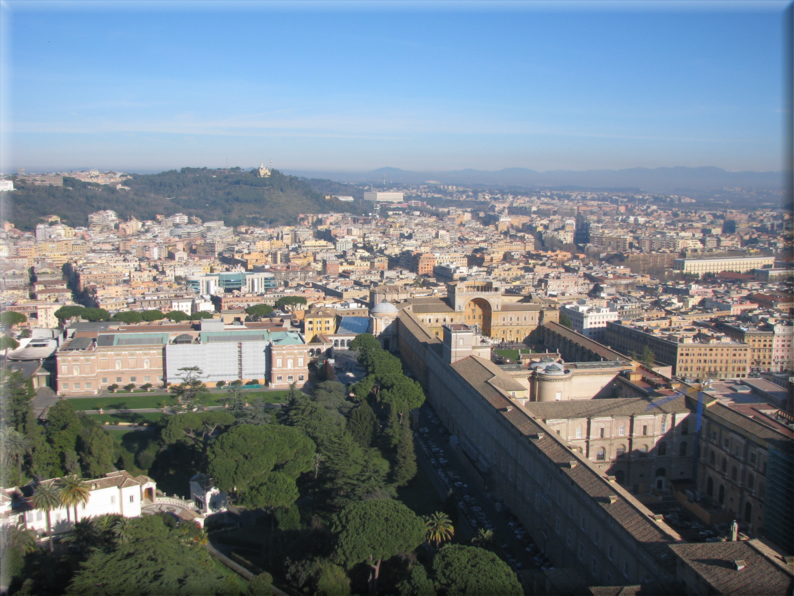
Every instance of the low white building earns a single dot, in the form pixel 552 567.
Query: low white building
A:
pixel 118 493
pixel 207 497
pixel 590 321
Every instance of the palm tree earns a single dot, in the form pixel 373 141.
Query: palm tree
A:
pixel 15 446
pixel 104 525
pixel 121 530
pixel 47 497
pixel 84 536
pixel 438 528
pixel 74 493
pixel 22 538
pixel 484 537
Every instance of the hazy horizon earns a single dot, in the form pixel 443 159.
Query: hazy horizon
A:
pixel 357 87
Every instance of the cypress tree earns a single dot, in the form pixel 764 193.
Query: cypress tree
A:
pixel 363 424
pixel 405 460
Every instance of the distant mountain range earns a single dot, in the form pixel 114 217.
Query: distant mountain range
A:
pixel 654 180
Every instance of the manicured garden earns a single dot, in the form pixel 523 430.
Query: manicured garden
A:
pixel 513 355
pixel 128 417
pixel 131 401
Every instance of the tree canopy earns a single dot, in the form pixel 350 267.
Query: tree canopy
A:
pixel 9 318
pixel 371 531
pixel 177 316
pixel 471 570
pixel 259 310
pixel 259 464
pixel 289 301
pixel 153 559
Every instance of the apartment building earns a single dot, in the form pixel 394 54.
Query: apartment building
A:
pixel 770 344
pixel 317 321
pixel 691 354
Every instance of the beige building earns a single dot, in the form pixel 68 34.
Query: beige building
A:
pixel 483 306
pixel 88 365
pixel 693 355
pixel 717 265
pixel 578 516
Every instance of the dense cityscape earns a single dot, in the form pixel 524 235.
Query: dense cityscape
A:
pixel 541 391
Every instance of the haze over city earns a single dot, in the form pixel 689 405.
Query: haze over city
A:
pixel 570 86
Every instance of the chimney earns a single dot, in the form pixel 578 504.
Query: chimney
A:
pixel 739 564
pixel 613 499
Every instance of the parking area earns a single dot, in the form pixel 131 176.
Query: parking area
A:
pixel 509 539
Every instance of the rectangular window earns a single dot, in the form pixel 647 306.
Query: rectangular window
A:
pixel 64 385
pixel 88 385
pixel 568 538
pixel 133 379
pixel 77 385
pixel 300 361
pixel 645 430
pixel 279 378
pixel 147 379
pixel 112 499
pixel 119 379
pixel 609 552
pixel 301 378
pixel 581 551
pixel 594 567
pixel 621 430
pixel 601 432
pixel 132 498
pixel 104 379
pixel 578 432
pixel 626 568
pixel 279 363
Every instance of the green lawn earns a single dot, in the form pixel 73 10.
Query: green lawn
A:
pixel 127 401
pixel 512 354
pixel 270 397
pixel 121 401
pixel 127 417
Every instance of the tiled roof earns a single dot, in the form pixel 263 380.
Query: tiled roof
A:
pixel 714 563
pixel 586 342
pixel 629 513
pixel 594 408
pixel 430 305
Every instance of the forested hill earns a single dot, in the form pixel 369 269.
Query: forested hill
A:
pixel 235 196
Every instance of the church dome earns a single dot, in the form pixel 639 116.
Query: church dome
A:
pixel 384 309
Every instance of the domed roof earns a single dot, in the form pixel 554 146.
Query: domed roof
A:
pixel 384 308
pixel 554 369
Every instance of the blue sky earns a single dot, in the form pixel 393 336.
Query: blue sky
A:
pixel 359 86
